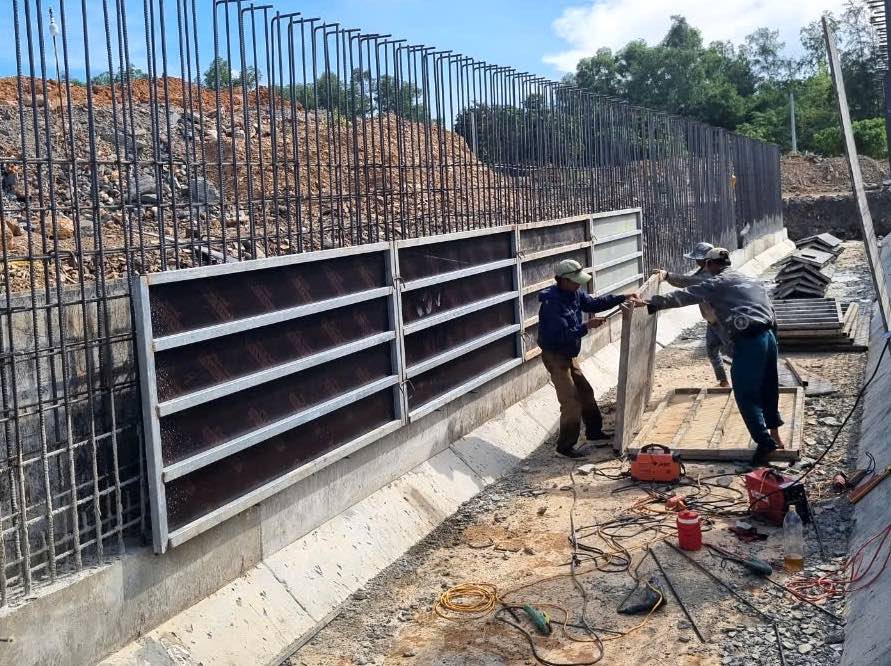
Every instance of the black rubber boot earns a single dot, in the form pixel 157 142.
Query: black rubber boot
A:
pixel 598 438
pixel 761 455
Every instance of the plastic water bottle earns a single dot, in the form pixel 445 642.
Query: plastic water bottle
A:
pixel 793 541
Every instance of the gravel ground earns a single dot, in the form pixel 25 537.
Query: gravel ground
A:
pixel 516 534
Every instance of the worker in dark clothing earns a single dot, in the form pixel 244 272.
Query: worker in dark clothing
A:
pixel 560 332
pixel 743 308
pixel 717 342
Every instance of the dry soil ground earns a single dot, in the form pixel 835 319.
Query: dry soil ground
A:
pixel 515 535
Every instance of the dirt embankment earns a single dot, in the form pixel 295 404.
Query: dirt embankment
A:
pixel 814 176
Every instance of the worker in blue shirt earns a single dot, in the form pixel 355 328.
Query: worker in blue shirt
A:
pixel 560 332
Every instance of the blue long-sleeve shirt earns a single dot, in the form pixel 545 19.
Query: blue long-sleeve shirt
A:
pixel 560 325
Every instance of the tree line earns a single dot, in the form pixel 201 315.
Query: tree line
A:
pixel 746 87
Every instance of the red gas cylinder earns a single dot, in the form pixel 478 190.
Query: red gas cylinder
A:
pixel 689 530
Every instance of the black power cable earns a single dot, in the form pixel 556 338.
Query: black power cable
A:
pixel 838 432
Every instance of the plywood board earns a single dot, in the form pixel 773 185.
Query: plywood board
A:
pixel 880 280
pixel 636 363
pixel 705 424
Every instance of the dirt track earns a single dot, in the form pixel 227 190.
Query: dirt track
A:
pixel 516 534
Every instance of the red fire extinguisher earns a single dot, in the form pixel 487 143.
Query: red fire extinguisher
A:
pixel 689 530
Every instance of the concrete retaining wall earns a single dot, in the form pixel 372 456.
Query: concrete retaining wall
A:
pixel 868 633
pixel 255 587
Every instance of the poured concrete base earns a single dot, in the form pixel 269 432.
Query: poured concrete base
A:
pixel 255 588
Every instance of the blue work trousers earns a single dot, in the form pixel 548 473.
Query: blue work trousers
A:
pixel 756 386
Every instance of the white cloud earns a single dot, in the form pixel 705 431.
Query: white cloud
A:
pixel 614 23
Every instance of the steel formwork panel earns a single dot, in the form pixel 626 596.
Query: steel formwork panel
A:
pixel 301 362
pixel 618 252
pixel 148 196
pixel 295 360
pixel 459 297
pixel 608 244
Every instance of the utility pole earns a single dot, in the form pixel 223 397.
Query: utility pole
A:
pixel 888 75
pixel 792 119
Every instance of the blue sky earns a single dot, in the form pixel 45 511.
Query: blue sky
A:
pixel 545 37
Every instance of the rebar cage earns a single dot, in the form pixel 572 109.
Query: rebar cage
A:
pixel 216 132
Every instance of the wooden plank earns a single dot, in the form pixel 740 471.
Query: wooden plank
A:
pixel 862 329
pixel 811 383
pixel 851 317
pixel 710 426
pixel 867 229
pixel 798 424
pixel 688 419
pixel 796 372
pixel 653 420
pixel 813 325
pixel 637 360
pixel 827 333
pixel 715 440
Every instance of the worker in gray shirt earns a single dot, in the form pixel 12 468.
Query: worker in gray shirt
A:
pixel 742 306
pixel 717 342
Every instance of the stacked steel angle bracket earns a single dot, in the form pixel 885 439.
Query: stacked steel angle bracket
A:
pixel 809 271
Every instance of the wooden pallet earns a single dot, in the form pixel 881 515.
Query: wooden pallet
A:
pixel 705 424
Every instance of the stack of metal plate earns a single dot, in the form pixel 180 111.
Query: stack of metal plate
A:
pixel 813 324
pixel 806 275
pixel 823 242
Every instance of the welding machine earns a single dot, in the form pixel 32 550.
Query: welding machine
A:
pixel 655 462
pixel 771 494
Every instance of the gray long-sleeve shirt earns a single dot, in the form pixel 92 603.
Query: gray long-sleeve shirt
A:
pixel 716 338
pixel 740 302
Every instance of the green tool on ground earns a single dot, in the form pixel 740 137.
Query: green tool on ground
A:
pixel 753 564
pixel 540 619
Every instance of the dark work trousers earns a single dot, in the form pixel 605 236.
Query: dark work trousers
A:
pixel 576 399
pixel 756 386
pixel 713 348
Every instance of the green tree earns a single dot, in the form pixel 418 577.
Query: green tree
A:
pixel 218 74
pixel 746 87
pixel 104 79
pixel 869 137
pixel 249 77
pixel 599 74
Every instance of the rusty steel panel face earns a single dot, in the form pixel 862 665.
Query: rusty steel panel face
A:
pixel 530 337
pixel 531 304
pixel 545 238
pixel 430 259
pixel 182 370
pixel 450 376
pixel 255 376
pixel 205 426
pixel 421 303
pixel 434 340
pixel 209 488
pixel 184 306
pixel 465 326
